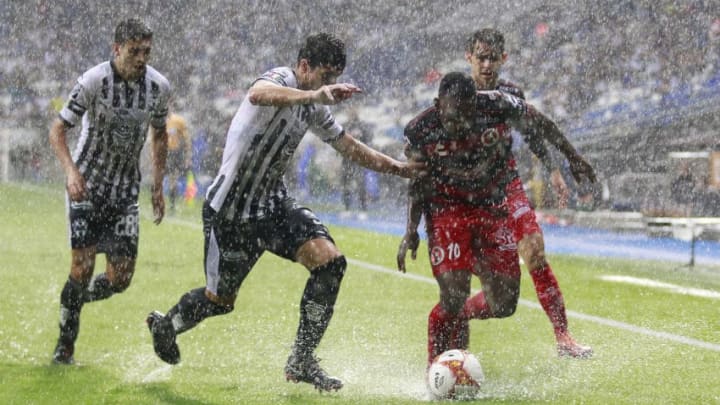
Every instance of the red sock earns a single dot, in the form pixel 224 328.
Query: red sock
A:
pixel 460 336
pixel 550 297
pixel 440 326
pixel 476 308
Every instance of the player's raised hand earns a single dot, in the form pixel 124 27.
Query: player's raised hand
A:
pixel 410 242
pixel 335 93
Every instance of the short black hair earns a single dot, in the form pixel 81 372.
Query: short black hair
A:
pixel 489 36
pixel 132 28
pixel 323 49
pixel 457 85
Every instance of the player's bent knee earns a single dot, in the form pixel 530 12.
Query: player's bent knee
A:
pixel 331 273
pixel 504 311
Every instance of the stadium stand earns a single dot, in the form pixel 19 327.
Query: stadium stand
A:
pixel 630 81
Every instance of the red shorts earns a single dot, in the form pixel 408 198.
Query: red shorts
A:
pixel 521 215
pixel 463 238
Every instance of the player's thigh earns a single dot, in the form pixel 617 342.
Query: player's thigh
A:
pixel 298 235
pixel 454 289
pixel 84 221
pixel 231 251
pixel 120 231
pixel 450 244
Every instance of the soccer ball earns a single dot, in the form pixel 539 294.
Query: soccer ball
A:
pixel 455 374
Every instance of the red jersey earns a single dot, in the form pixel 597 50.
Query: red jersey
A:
pixel 486 150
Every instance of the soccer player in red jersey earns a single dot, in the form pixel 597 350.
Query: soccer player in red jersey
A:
pixel 485 51
pixel 465 140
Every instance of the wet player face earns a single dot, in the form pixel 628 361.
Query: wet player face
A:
pixel 456 114
pixel 131 57
pixel 485 63
pixel 312 78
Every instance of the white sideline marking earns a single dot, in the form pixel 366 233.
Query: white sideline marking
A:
pixel 646 282
pixel 571 314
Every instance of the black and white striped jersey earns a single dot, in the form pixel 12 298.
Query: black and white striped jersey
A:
pixel 259 147
pixel 115 116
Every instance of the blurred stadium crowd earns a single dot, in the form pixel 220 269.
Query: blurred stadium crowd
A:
pixel 630 81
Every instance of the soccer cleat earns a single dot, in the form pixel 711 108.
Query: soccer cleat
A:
pixel 63 353
pixel 568 347
pixel 306 369
pixel 163 336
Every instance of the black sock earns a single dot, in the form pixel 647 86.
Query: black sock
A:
pixel 99 289
pixel 192 308
pixel 317 305
pixel 71 301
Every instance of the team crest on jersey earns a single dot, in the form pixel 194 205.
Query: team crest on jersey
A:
pixel 490 137
pixel 437 255
pixel 123 128
pixel 78 228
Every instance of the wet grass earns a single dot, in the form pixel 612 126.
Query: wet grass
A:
pixel 376 341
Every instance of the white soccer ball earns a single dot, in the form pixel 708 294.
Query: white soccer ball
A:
pixel 455 374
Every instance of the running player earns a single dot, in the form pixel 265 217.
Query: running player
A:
pixel 465 138
pixel 485 51
pixel 117 101
pixel 248 210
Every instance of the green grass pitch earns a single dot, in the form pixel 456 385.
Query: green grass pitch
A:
pixel 652 346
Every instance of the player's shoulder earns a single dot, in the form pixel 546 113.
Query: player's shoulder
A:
pixel 422 124
pixel 154 75
pixel 500 101
pixel 283 75
pixel 95 74
pixel 509 87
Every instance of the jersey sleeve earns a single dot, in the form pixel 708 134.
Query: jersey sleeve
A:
pixel 81 98
pixel 324 124
pixel 158 117
pixel 280 76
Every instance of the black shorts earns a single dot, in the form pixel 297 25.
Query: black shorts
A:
pixel 233 248
pixel 111 226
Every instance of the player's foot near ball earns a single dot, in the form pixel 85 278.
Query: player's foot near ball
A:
pixel 306 369
pixel 568 347
pixel 163 336
pixel 63 353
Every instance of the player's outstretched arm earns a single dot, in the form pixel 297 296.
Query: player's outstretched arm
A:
pixel 375 160
pixel 265 93
pixel 547 129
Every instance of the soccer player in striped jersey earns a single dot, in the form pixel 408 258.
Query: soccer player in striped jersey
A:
pixel 117 101
pixel 248 210
pixel 485 51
